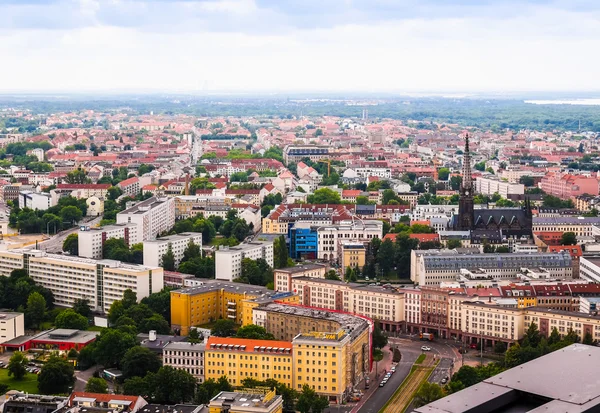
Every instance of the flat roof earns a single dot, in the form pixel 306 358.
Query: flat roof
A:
pixel 71 336
pixel 212 285
pixel 301 268
pixel 563 381
pixel 174 237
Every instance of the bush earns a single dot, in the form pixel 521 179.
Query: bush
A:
pixel 397 355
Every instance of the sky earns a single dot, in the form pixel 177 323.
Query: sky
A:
pixel 197 46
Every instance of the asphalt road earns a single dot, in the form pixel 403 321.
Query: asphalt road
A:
pixel 383 394
pixel 54 244
pixel 410 347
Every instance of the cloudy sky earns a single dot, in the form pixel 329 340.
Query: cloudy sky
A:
pixel 299 45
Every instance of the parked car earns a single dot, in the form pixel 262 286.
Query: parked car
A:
pixel 382 383
pixel 393 369
pixel 445 380
pixel 474 345
pixel 425 348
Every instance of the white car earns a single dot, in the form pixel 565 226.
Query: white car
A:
pixel 425 348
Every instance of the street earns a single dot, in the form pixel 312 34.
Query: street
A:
pixel 54 244
pixel 410 347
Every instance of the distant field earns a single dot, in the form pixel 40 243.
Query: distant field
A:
pixel 27 384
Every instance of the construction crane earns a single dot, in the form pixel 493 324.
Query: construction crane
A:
pixel 328 162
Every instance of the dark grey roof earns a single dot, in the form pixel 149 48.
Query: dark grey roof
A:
pixel 563 381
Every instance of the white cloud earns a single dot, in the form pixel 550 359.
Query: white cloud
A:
pixel 541 48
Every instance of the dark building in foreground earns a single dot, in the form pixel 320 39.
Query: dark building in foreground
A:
pixel 565 381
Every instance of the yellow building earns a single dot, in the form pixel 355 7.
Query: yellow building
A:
pixel 214 299
pixel 320 361
pixel 250 304
pixel 273 226
pixel 353 255
pixel 239 358
pixel 246 401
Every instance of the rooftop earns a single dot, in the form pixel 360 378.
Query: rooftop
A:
pixel 175 237
pixel 214 285
pixel 301 268
pixel 563 381
pixel 248 345
pixel 144 206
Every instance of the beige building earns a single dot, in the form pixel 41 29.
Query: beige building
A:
pixel 12 325
pixel 283 276
pixel 352 254
pixel 383 304
pixel 492 323
pixel 228 260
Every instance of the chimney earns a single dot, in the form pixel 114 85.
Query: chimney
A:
pixel 187 184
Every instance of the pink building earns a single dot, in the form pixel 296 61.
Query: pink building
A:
pixel 567 185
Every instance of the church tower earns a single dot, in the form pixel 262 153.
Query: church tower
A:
pixel 466 214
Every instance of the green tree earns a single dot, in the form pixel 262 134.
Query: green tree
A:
pixel 136 386
pixel 56 376
pixel 480 166
pixel 281 254
pixel 111 346
pixel 71 214
pixel 568 238
pixel 155 322
pixel 332 275
pixel 254 332
pixel 17 365
pixel 171 386
pixel 453 243
pixel 428 393
pixel 362 200
pixel 194 336
pixel 96 385
pixel 82 306
pixel 310 402
pixel 192 250
pixel 588 339
pixel 160 303
pixel 384 255
pixel 443 174
pixel 86 357
pixel 70 319
pixel 78 176
pixel 168 260
pixel 527 180
pixel 554 337
pixel 36 309
pixel 71 244
pixel 324 196
pixel 223 328
pixel 139 361
pixel 532 335
pixel 380 340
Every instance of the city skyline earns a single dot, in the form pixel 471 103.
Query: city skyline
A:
pixel 259 45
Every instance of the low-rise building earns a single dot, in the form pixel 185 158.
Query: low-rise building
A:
pixel 185 356
pixel 12 325
pixel 490 185
pixel 247 401
pixel 34 200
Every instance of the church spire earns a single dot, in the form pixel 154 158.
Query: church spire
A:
pixel 467 179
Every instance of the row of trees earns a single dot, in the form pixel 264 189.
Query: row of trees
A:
pixel 65 214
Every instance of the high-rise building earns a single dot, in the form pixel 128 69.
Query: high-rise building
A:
pixel 154 216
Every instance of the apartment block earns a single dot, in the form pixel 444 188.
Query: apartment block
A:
pixel 432 269
pixel 154 216
pixel 239 358
pixel 155 249
pixel 330 237
pixel 295 153
pixel 130 186
pixel 80 191
pixel 383 304
pixel 580 226
pixel 91 240
pixel 12 325
pixel 567 186
pixel 490 185
pixel 34 200
pixel 283 276
pixel 352 254
pixel 100 281
pixel 185 356
pixel 228 260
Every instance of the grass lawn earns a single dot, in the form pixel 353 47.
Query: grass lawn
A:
pixel 27 384
pixel 95 328
pixel 420 359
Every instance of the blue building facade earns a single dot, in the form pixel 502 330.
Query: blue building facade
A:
pixel 303 243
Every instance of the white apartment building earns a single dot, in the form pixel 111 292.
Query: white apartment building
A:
pixel 130 186
pixel 100 281
pixel 425 212
pixel 331 236
pixel 385 305
pixel 589 268
pixel 492 321
pixel 12 325
pixel 34 200
pixel 228 260
pixel 385 173
pixel 185 356
pixel 155 249
pixel 91 240
pixel 154 216
pixel 489 185
pixel 283 276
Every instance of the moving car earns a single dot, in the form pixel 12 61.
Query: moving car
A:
pixel 425 348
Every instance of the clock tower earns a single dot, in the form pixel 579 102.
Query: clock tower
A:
pixel 465 203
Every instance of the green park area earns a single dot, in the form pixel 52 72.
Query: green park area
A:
pixel 27 384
